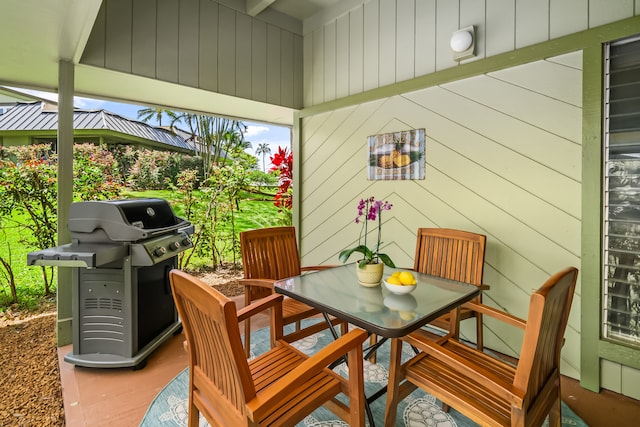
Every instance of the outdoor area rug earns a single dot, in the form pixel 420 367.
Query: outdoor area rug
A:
pixel 169 408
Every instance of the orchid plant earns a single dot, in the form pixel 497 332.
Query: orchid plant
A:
pixel 369 210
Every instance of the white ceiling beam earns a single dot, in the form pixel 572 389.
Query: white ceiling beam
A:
pixel 254 7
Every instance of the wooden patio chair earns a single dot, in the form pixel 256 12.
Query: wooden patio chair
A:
pixel 450 254
pixel 485 388
pixel 456 255
pixel 277 388
pixel 270 254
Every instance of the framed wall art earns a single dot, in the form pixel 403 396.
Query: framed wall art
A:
pixel 398 155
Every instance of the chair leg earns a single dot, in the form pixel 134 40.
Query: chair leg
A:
pixel 358 400
pixel 194 414
pixel 247 323
pixel 373 340
pixel 555 415
pixel 344 328
pixel 454 322
pixel 479 332
pixel 393 386
pixel 247 337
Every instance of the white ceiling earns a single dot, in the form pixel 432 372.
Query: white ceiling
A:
pixel 37 34
pixel 300 9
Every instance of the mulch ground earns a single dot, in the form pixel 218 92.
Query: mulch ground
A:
pixel 30 390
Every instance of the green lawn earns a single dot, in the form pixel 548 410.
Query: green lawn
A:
pixel 14 249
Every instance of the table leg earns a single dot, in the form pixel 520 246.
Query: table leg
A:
pixel 331 328
pixel 395 356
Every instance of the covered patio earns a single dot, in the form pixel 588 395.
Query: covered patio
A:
pixel 513 136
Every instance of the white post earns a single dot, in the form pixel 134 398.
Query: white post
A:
pixel 65 194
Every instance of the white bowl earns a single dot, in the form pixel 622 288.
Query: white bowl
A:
pixel 399 289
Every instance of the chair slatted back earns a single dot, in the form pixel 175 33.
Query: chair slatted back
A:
pixel 218 368
pixel 270 253
pixel 450 254
pixel 544 334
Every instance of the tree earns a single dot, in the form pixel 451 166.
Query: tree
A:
pixel 28 194
pixel 6 272
pixel 214 137
pixel 263 149
pixel 150 113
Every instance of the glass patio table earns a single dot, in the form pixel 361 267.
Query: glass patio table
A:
pixel 336 292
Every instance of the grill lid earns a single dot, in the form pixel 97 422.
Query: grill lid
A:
pixel 147 214
pixel 122 220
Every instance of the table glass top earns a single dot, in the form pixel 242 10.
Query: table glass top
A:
pixel 337 292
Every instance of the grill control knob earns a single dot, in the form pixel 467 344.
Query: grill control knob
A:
pixel 159 251
pixel 174 246
pixel 186 241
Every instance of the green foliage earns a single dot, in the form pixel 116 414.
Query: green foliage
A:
pixel 260 178
pixel 7 275
pixel 28 204
pixel 151 113
pixel 216 204
pixel 215 138
pixel 220 207
pixel 148 170
pixel 155 170
pixel 28 280
pixel 28 193
pixel 95 173
pixel 30 188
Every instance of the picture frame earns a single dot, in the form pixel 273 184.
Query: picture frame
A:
pixel 397 155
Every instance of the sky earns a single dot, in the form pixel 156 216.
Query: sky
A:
pixel 257 133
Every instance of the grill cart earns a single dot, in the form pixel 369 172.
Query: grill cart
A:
pixel 121 254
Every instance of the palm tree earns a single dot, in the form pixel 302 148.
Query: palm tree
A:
pixel 150 113
pixel 215 137
pixel 263 149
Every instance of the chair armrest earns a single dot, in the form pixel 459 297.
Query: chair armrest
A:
pixel 474 371
pixel 496 314
pixel 317 267
pixel 271 301
pixel 309 368
pixel 263 283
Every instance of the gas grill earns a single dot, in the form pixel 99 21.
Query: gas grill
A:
pixel 121 252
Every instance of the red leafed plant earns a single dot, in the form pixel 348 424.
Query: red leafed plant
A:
pixel 283 162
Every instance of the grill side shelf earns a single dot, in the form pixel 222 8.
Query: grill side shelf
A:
pixel 78 255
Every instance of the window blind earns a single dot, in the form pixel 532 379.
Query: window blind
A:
pixel 621 215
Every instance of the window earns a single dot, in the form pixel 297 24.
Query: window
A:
pixel 621 216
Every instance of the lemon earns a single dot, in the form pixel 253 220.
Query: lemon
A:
pixel 406 278
pixel 396 274
pixel 393 280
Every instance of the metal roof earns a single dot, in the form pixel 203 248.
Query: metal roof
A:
pixel 39 116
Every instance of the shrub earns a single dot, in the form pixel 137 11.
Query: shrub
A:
pixel 95 173
pixel 157 170
pixel 28 195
